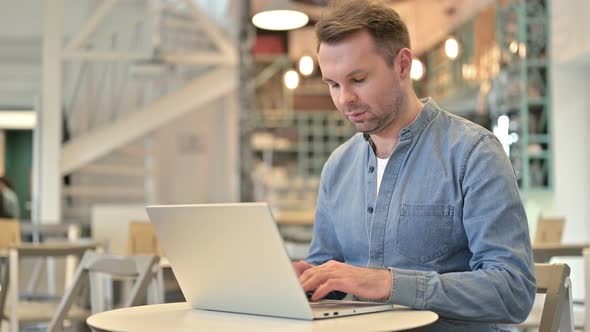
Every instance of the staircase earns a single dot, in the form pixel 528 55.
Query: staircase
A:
pixel 130 67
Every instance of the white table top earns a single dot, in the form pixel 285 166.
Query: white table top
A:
pixel 180 317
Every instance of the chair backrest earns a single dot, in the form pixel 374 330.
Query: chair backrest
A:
pixel 549 231
pixel 142 239
pixel 32 250
pixel 39 232
pixel 553 281
pixel 9 233
pixel 141 267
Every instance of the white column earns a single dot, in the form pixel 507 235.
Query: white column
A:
pixel 233 146
pixel 47 181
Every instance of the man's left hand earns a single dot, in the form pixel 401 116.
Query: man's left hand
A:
pixel 367 283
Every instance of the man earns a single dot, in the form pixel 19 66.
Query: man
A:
pixel 421 207
pixel 8 200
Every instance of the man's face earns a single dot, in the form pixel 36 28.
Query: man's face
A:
pixel 362 85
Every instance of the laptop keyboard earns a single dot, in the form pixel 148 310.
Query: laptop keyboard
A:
pixel 340 304
pixel 334 295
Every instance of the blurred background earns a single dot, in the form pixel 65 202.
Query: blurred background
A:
pixel 109 105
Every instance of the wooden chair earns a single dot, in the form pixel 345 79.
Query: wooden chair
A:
pixel 557 311
pixel 549 231
pixel 40 233
pixel 138 267
pixel 142 240
pixel 9 233
pixel 18 312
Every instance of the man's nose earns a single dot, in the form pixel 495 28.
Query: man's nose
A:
pixel 347 97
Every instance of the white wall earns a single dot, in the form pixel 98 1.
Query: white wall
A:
pixel 570 53
pixel 571 119
pixel 195 156
pixel 20 51
pixel 571 197
pixel 570 26
pixel 571 122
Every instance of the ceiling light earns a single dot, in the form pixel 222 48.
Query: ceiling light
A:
pixel 417 70
pixel 17 119
pixel 513 47
pixel 291 79
pixel 306 65
pixel 469 71
pixel 279 15
pixel 452 48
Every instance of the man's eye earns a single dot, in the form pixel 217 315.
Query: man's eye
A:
pixel 334 85
pixel 358 80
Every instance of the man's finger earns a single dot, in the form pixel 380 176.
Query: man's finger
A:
pixel 322 277
pixel 301 266
pixel 327 287
pixel 310 273
pixel 314 280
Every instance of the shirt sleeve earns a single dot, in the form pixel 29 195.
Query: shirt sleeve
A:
pixel 324 245
pixel 501 285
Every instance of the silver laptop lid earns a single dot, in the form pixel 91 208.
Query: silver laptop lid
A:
pixel 230 257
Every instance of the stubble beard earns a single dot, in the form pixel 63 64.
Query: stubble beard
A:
pixel 378 124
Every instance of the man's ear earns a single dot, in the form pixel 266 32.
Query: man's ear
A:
pixel 404 61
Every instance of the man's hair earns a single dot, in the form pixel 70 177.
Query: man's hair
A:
pixel 342 18
pixel 6 182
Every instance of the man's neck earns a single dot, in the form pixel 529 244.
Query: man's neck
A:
pixel 386 140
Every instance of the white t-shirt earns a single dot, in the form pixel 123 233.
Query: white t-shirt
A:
pixel 381 163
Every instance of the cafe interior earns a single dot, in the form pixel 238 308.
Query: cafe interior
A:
pixel 109 106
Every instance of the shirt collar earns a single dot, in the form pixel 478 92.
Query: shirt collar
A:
pixel 428 112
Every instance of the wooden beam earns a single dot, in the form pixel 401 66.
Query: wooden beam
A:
pixel 213 31
pixel 103 9
pixel 101 141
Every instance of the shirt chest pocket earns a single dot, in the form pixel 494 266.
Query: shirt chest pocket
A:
pixel 424 231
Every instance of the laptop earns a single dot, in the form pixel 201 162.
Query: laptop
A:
pixel 230 257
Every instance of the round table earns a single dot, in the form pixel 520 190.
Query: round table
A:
pixel 181 317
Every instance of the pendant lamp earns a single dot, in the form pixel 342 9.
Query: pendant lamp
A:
pixel 280 15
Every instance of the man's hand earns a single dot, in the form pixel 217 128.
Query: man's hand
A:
pixel 301 266
pixel 373 284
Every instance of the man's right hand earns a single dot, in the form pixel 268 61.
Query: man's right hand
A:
pixel 301 266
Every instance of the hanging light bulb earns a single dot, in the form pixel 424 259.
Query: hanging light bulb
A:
pixel 417 70
pixel 291 79
pixel 306 65
pixel 452 48
pixel 279 15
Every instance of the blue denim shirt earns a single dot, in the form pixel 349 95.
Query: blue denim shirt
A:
pixel 448 221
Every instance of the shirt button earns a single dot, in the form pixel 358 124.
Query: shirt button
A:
pixel 370 210
pixel 371 169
